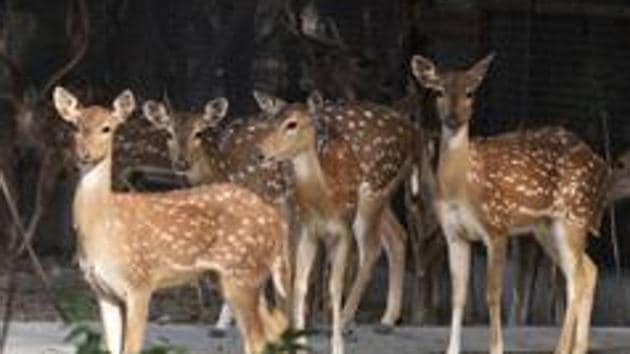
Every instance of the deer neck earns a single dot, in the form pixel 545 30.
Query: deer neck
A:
pixel 312 190
pixel 454 164
pixel 209 167
pixel 92 208
pixel 202 171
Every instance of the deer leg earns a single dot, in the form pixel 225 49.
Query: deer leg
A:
pixel 497 250
pixel 111 318
pixel 369 217
pixel 339 260
pixel 526 278
pixel 562 248
pixel 225 318
pixel 589 281
pixel 369 251
pixel 306 252
pixel 274 321
pixel 136 315
pixel 244 301
pixel 394 244
pixel 459 264
pixel 360 283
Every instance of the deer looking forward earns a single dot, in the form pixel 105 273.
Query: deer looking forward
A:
pixel 546 181
pixel 339 182
pixel 207 152
pixel 131 244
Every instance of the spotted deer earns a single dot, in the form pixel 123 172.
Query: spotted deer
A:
pixel 347 159
pixel 205 151
pixel 210 153
pixel 131 244
pixel 390 235
pixel 546 181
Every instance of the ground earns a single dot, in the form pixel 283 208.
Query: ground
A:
pixel 47 338
pixel 179 318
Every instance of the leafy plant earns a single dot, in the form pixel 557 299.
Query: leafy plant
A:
pixel 87 338
pixel 289 343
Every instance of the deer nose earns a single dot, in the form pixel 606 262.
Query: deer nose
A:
pixel 265 160
pixel 84 155
pixel 451 121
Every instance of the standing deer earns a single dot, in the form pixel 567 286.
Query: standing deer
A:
pixel 131 244
pixel 345 177
pixel 207 153
pixel 391 236
pixel 546 181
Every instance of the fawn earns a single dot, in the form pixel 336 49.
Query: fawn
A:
pixel 545 181
pixel 131 244
pixel 343 177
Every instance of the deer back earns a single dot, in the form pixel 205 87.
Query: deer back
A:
pixel 239 147
pixel 546 172
pixel 379 137
pixel 220 226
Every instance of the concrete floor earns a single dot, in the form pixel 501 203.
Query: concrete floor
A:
pixel 48 338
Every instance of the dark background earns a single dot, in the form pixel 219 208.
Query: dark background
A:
pixel 558 62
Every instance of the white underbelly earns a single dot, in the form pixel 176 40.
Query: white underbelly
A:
pixel 461 221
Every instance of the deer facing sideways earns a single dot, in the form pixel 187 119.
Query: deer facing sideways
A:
pixel 131 244
pixel 209 153
pixel 343 178
pixel 546 181
pixel 206 152
pixel 340 163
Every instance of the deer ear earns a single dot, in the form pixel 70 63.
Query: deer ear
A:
pixel 215 111
pixel 425 72
pixel 267 103
pixel 478 71
pixel 155 112
pixel 66 104
pixel 315 102
pixel 124 105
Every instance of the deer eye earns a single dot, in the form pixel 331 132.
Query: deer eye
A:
pixel 106 129
pixel 439 93
pixel 198 135
pixel 290 126
pixel 469 94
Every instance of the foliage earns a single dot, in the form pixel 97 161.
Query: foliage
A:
pixel 86 337
pixel 289 343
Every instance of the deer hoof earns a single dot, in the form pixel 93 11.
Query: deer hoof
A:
pixel 217 332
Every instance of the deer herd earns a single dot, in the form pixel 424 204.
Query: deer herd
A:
pixel 270 188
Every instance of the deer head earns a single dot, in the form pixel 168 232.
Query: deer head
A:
pixel 293 129
pixel 454 89
pixel 186 130
pixel 95 125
